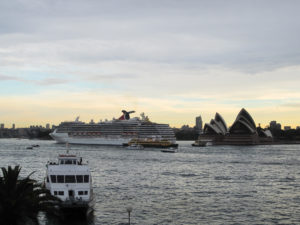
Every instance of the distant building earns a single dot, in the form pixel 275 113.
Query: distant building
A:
pixel 13 126
pixel 298 127
pixel 274 125
pixel 287 127
pixel 48 126
pixel 2 126
pixel 185 127
pixel 199 124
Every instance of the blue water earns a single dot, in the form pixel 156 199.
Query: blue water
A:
pixel 196 185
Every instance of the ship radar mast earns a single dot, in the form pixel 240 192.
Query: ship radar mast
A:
pixel 144 118
pixel 77 119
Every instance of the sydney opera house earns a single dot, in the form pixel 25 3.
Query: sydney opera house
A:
pixel 242 132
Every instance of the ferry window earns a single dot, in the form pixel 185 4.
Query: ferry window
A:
pixel 80 192
pixel 53 178
pixel 85 192
pixel 60 179
pixel 70 179
pixel 68 161
pixel 60 193
pixel 62 162
pixel 74 161
pixel 86 178
pixel 55 192
pixel 47 179
pixel 79 178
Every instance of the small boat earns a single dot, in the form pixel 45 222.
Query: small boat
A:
pixel 202 143
pixel 35 146
pixel 135 147
pixel 169 150
pixel 30 147
pixel 70 180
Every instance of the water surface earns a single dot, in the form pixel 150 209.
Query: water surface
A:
pixel 196 185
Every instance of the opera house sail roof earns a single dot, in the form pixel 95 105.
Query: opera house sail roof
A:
pixel 216 126
pixel 243 124
pixel 243 130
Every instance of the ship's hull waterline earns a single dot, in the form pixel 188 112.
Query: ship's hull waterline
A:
pixel 63 138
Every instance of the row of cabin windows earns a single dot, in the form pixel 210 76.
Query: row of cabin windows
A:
pixel 58 192
pixel 82 192
pixel 69 179
pixel 68 161
pixel 62 192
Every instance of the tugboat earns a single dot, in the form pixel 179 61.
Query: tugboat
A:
pixel 70 180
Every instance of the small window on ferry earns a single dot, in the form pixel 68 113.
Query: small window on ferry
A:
pixel 47 179
pixel 79 178
pixel 70 179
pixel 80 192
pixel 62 161
pixel 55 192
pixel 60 179
pixel 86 178
pixel 69 161
pixel 53 178
pixel 60 193
pixel 85 192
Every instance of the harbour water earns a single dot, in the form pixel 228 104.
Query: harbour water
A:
pixel 196 185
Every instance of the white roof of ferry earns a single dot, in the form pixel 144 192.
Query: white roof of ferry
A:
pixel 68 168
pixel 55 167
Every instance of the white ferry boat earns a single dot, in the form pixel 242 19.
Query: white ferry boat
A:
pixel 115 132
pixel 70 180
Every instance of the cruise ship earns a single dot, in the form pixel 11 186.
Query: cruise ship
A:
pixel 122 131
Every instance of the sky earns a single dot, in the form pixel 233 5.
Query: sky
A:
pixel 172 59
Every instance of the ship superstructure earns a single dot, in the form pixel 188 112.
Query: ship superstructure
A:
pixel 115 132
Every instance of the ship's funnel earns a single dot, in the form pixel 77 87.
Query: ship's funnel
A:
pixel 126 115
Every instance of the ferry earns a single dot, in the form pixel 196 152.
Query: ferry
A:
pixel 153 142
pixel 69 179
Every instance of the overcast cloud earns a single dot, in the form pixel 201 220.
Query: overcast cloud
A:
pixel 188 50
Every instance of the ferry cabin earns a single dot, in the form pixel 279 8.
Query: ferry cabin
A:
pixel 69 179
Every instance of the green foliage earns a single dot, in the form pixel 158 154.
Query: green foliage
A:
pixel 22 199
pixel 185 134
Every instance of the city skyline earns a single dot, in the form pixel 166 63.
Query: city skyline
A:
pixel 50 126
pixel 173 60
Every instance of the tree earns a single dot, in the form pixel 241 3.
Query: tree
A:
pixel 22 199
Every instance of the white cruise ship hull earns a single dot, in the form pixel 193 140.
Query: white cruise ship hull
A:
pixel 64 138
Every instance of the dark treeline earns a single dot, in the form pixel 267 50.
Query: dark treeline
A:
pixel 183 133
pixel 292 135
pixel 286 135
pixel 186 133
pixel 30 133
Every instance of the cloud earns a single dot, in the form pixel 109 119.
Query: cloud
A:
pixel 5 77
pixel 43 82
pixel 249 37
